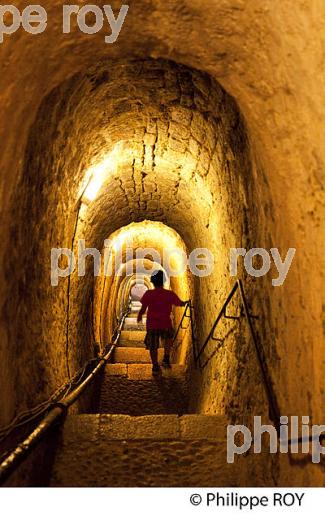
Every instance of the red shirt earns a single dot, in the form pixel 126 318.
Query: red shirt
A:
pixel 159 302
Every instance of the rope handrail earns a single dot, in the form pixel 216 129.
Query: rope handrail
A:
pixel 57 411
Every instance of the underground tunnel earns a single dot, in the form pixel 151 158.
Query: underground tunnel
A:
pixel 147 152
pixel 150 153
pixel 182 160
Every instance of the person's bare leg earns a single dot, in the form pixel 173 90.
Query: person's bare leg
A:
pixel 154 356
pixel 154 359
pixel 168 343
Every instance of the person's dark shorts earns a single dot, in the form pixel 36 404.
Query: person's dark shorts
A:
pixel 152 338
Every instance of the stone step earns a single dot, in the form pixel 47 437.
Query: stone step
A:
pixel 134 314
pixel 134 327
pixel 133 319
pixel 134 355
pixel 132 335
pixel 156 451
pixel 132 389
pixel 142 371
pixel 131 344
pixel 135 306
pixel 132 324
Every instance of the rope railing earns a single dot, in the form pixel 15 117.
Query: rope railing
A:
pixel 57 406
pixel 27 416
pixel 57 410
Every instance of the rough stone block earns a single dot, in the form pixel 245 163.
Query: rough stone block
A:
pixel 137 428
pixel 203 427
pixel 116 369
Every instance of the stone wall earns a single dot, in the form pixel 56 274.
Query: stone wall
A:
pixel 242 168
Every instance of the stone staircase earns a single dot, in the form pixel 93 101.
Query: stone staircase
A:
pixel 141 434
pixel 147 451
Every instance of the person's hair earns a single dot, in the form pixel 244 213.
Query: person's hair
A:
pixel 158 278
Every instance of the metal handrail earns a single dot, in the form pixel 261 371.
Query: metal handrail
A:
pixel 57 412
pixel 180 327
pixel 214 326
pixel 274 410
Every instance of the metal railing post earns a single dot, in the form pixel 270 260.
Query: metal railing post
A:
pixel 270 394
pixel 273 404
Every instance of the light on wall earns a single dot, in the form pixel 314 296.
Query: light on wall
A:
pixel 99 173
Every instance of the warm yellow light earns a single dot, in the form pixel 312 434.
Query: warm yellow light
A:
pixel 99 173
pixel 123 240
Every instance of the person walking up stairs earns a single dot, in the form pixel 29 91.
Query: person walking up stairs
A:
pixel 159 303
